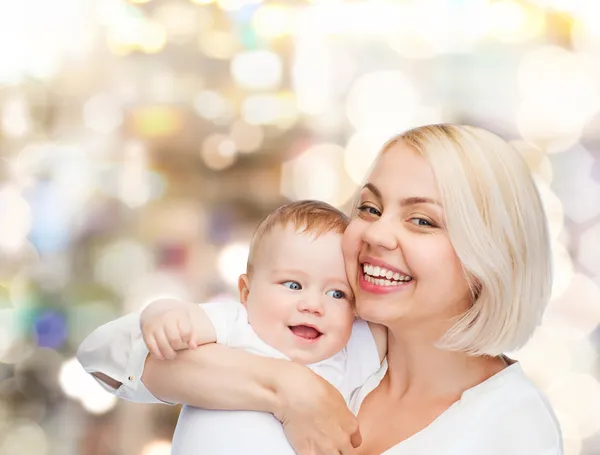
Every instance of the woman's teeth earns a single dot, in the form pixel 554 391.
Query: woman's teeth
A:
pixel 383 277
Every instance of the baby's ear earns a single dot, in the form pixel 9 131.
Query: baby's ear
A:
pixel 244 288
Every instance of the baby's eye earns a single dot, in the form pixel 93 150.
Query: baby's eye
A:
pixel 336 294
pixel 293 285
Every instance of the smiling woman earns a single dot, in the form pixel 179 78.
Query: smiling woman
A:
pixel 448 250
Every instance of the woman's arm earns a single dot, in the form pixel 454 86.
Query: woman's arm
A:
pixel 314 415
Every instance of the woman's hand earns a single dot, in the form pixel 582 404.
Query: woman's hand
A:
pixel 315 417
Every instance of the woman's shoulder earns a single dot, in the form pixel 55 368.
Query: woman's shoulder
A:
pixel 510 406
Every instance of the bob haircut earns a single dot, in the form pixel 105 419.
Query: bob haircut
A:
pixel 498 228
pixel 306 216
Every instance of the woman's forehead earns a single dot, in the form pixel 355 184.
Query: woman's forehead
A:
pixel 402 170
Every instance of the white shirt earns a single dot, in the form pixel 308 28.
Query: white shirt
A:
pixel 504 415
pixel 117 349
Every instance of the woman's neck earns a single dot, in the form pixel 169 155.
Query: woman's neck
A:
pixel 416 368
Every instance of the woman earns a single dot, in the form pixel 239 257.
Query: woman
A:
pixel 455 209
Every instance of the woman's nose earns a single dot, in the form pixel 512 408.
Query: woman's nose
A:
pixel 381 234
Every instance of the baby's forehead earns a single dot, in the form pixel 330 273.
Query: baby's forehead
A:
pixel 288 243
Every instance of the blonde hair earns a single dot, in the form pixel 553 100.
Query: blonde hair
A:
pixel 498 228
pixel 307 216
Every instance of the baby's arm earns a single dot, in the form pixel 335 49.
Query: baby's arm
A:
pixel 380 334
pixel 170 325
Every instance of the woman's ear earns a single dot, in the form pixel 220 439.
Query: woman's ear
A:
pixel 244 288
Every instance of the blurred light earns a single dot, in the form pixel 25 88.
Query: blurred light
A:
pixel 385 100
pixel 157 448
pixel 24 436
pixel 134 188
pixel 576 399
pixel 559 5
pixel 585 32
pixel 560 95
pixel 157 121
pixel 84 317
pixel 103 113
pixel 577 310
pixel 552 207
pixel 50 329
pixel 213 106
pixel 133 32
pixel 269 110
pixel 78 385
pixel 202 2
pixel 312 74
pixel 589 249
pixel 511 21
pixel 33 45
pixel 219 45
pixel 218 151
pixel 232 262
pixel 52 273
pixel 563 270
pixel 178 19
pixel 247 138
pixel 257 69
pixel 361 151
pixel 232 5
pixel 141 2
pixel 318 173
pixel 574 184
pixel 16 217
pixel 537 160
pixel 156 285
pixel 8 330
pixel 18 350
pixel 274 20
pixel 545 357
pixel 453 28
pixel 119 263
pixel 16 121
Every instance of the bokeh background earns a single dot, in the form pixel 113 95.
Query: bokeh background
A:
pixel 141 142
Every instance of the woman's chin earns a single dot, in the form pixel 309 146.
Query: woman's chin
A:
pixel 379 312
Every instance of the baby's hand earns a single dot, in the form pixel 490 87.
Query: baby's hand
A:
pixel 170 325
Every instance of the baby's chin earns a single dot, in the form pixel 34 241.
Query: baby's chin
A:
pixel 316 354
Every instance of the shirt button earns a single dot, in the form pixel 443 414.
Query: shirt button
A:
pixel 130 378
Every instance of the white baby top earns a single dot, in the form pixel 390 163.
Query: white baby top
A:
pixel 117 349
pixel 504 415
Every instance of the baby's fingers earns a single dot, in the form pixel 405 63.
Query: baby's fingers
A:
pixel 153 346
pixel 187 332
pixel 164 345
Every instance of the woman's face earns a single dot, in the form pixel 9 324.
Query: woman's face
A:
pixel 399 259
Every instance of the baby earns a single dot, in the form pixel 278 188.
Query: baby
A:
pixel 296 304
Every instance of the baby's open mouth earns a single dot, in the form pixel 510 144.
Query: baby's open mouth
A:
pixel 305 331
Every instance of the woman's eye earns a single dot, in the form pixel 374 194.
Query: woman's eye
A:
pixel 336 294
pixel 421 222
pixel 293 285
pixel 369 210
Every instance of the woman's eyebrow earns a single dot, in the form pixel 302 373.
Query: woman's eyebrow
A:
pixel 414 200
pixel 373 189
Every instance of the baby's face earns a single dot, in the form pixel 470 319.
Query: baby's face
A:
pixel 299 300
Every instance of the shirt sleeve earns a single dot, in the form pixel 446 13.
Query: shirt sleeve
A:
pixel 362 357
pixel 224 317
pixel 117 349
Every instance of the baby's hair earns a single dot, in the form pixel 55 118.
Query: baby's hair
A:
pixel 306 216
